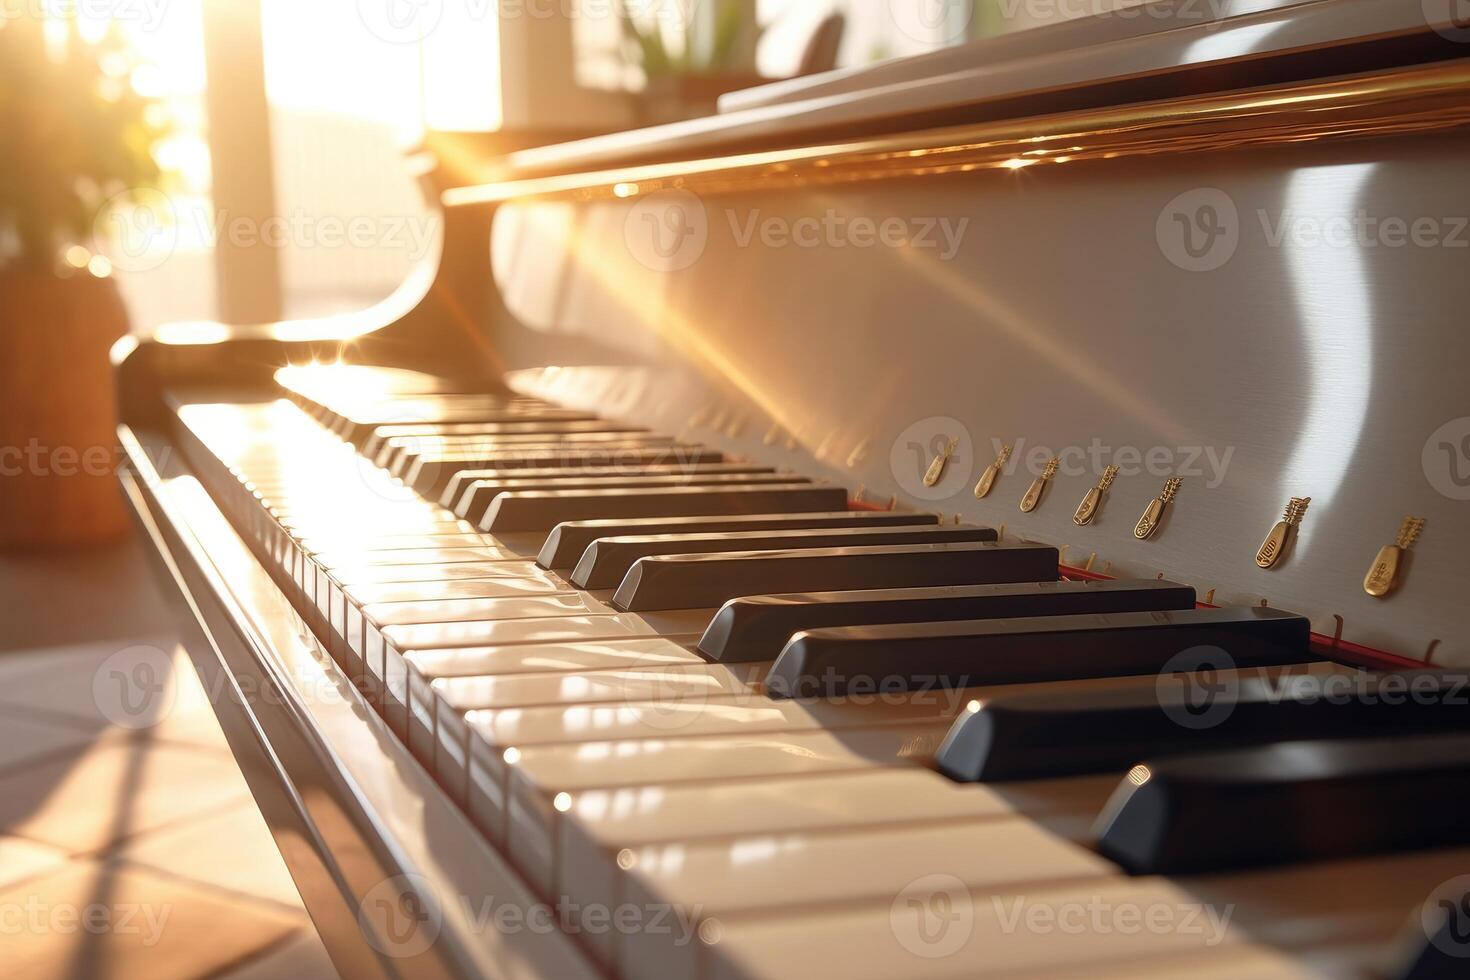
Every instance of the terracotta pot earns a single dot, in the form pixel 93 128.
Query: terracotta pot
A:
pixel 58 430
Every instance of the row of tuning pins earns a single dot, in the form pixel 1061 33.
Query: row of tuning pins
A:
pixel 1384 575
pixel 1382 579
pixel 1086 511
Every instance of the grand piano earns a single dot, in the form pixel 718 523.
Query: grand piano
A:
pixel 996 513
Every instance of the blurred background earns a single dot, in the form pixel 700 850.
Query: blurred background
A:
pixel 168 166
pixel 348 87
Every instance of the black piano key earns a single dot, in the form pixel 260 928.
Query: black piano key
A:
pixel 694 581
pixel 845 660
pixel 373 446
pixel 608 560
pixel 357 426
pixel 1289 802
pixel 406 461
pixel 392 454
pixel 1042 735
pixel 567 542
pixel 542 511
pixel 430 474
pixel 479 494
pixel 758 627
pixel 454 491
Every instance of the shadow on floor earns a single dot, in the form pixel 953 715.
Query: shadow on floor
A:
pixel 58 598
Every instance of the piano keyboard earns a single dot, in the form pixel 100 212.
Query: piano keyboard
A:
pixel 577 627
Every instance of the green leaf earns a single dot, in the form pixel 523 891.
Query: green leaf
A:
pixel 64 153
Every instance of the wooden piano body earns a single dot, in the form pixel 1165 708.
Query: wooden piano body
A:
pixel 1231 250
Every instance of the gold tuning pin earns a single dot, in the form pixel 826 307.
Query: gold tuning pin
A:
pixel 1149 522
pixel 1087 510
pixel 987 479
pixel 1383 576
pixel 1038 486
pixel 1276 541
pixel 935 473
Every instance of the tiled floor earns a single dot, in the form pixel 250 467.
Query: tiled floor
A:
pixel 129 843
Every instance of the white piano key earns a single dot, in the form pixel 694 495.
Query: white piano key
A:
pixel 689 682
pixel 601 827
pixel 369 620
pixel 709 883
pixel 385 583
pixel 358 544
pixel 386 648
pixel 1234 963
pixel 936 930
pixel 424 667
pixel 470 750
pixel 362 558
pixel 1314 911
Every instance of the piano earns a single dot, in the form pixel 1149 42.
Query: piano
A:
pixel 997 513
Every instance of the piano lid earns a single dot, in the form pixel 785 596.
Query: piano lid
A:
pixel 1150 51
pixel 1256 290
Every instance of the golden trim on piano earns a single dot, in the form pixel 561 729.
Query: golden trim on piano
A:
pixel 1398 102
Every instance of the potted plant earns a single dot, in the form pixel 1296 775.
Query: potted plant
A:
pixel 688 62
pixel 74 136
